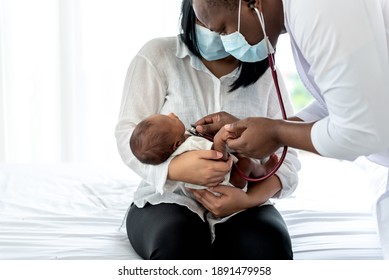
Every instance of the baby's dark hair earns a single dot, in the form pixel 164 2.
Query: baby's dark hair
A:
pixel 150 144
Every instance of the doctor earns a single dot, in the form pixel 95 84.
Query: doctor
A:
pixel 341 50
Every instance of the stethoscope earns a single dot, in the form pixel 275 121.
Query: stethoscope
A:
pixel 272 66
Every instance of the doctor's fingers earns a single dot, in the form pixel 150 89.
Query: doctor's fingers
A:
pixel 209 129
pixel 208 124
pixel 237 128
pixel 212 123
pixel 254 138
pixel 208 119
pixel 245 148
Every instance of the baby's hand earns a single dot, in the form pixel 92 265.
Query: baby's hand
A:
pixel 220 144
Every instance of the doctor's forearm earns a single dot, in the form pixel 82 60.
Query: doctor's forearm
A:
pixel 294 134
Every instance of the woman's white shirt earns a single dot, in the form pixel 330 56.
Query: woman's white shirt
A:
pixel 166 77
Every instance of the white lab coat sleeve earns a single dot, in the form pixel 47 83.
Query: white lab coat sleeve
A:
pixel 348 58
pixel 143 95
pixel 357 96
pixel 313 112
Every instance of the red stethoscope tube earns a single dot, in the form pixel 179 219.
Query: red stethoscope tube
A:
pixel 283 111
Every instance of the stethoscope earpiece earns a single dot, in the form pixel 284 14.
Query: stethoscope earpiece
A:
pixel 251 4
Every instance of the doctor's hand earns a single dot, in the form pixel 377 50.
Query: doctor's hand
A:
pixel 253 137
pixel 231 200
pixel 212 123
pixel 202 168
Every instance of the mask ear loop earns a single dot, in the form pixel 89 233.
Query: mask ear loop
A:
pixel 239 11
pixel 280 101
pixel 262 23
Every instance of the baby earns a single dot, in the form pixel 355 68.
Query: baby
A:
pixel 159 137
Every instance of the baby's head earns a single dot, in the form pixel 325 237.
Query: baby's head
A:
pixel 155 138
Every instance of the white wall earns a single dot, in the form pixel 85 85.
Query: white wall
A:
pixel 62 68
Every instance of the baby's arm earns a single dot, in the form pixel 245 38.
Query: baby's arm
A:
pixel 220 144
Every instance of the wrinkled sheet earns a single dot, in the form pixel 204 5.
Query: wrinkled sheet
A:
pixel 64 211
pixel 330 214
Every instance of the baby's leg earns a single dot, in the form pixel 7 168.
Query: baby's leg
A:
pixel 246 166
pixel 251 169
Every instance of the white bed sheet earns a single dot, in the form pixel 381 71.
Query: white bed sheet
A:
pixel 329 216
pixel 64 211
pixel 74 211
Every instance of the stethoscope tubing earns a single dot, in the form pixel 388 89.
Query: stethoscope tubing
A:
pixel 284 116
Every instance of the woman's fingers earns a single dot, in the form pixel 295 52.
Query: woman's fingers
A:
pixel 210 154
pixel 206 198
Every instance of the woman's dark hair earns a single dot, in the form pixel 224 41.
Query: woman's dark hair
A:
pixel 249 72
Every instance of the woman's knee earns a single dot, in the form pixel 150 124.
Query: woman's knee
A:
pixel 169 232
pixel 256 234
pixel 270 235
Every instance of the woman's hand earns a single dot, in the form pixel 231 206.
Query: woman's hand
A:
pixel 231 200
pixel 212 123
pixel 202 168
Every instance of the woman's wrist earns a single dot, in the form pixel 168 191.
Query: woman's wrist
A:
pixel 172 171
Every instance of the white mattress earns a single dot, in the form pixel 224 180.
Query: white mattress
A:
pixel 329 216
pixel 64 212
pixel 74 211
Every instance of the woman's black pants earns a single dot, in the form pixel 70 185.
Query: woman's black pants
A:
pixel 173 232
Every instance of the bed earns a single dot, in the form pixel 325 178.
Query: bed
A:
pixel 75 211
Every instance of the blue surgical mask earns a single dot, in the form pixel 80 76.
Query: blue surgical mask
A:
pixel 209 43
pixel 236 44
